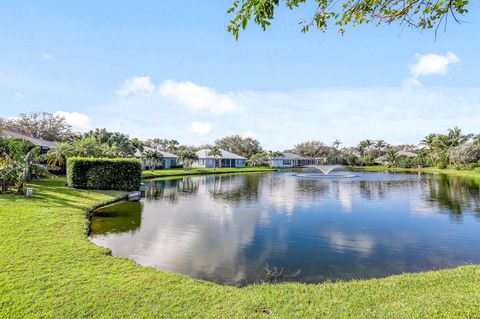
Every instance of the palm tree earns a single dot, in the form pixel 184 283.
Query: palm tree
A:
pixel 86 147
pixel 152 158
pixel 456 138
pixel 391 156
pixel 337 143
pixel 27 167
pixel 172 146
pixel 215 151
pixel 57 155
pixel 187 158
pixel 429 140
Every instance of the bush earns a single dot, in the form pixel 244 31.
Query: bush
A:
pixel 464 154
pixel 104 173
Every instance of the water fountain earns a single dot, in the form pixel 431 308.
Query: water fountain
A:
pixel 325 169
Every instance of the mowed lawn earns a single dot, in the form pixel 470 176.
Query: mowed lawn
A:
pixel 204 171
pixel 49 269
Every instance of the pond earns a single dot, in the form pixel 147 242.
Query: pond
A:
pixel 286 226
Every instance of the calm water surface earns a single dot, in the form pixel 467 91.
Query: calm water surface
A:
pixel 236 229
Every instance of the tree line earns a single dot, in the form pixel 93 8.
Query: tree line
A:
pixel 453 149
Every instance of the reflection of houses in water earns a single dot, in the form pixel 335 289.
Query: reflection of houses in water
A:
pixel 285 193
pixel 234 188
pixel 169 190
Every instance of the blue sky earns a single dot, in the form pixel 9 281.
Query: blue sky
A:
pixel 170 70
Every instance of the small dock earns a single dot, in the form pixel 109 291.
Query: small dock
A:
pixel 134 196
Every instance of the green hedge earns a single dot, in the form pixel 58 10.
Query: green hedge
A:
pixel 104 173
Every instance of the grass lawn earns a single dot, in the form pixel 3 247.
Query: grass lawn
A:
pixel 49 269
pixel 474 174
pixel 202 171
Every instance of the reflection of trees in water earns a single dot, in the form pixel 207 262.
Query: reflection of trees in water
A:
pixel 309 189
pixel 234 188
pixel 379 189
pixel 454 193
pixel 171 190
pixel 117 218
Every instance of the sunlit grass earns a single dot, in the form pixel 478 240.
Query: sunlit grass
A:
pixel 49 269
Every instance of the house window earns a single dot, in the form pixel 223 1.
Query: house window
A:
pixel 287 162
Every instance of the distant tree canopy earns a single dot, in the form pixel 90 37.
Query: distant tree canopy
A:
pixel 423 14
pixel 243 146
pixel 40 125
pixel 312 149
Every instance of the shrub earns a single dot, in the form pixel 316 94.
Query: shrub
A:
pixel 104 173
pixel 464 154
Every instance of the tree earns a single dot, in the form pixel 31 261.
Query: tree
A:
pixel 336 144
pixel 41 125
pixel 215 152
pixel 187 158
pixel 27 167
pixel 57 155
pixel 312 149
pixel 476 139
pixel 243 146
pixel 119 144
pixel 86 147
pixel 422 14
pixel 152 158
pixel 258 159
pixel 10 150
pixel 391 156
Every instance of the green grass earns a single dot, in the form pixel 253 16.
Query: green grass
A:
pixel 49 269
pixel 203 171
pixel 474 174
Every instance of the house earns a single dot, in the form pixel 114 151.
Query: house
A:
pixel 287 160
pixel 293 160
pixel 169 159
pixel 38 142
pixel 226 159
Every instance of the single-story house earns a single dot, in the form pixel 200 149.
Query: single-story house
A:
pixel 293 160
pixel 44 145
pixel 169 159
pixel 382 160
pixel 226 159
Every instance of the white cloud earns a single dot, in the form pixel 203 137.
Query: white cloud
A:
pixel 201 128
pixel 429 64
pixel 19 95
pixel 78 121
pixel 137 85
pixel 196 97
pixel 47 56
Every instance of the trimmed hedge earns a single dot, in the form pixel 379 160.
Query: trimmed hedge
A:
pixel 104 173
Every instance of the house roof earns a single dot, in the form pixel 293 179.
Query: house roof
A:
pixel 224 155
pixel 35 141
pixel 406 153
pixel 139 153
pixel 289 156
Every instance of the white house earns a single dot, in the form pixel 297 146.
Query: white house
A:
pixel 293 160
pixel 169 159
pixel 226 159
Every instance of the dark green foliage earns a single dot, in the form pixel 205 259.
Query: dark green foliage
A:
pixel 104 173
